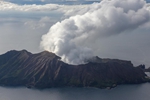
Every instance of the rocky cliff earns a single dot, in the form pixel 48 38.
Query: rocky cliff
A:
pixel 45 70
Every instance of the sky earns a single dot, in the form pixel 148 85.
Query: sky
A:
pixel 76 32
pixel 69 2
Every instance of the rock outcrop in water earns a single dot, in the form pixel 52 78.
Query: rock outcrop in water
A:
pixel 45 70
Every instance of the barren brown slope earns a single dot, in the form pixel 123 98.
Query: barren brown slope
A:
pixel 45 70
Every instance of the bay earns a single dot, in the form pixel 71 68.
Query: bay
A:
pixel 121 92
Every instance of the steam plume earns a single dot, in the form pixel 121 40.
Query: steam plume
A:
pixel 109 17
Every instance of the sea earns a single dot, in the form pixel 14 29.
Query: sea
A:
pixel 121 92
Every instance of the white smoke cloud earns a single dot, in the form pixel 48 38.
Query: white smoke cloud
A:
pixel 70 37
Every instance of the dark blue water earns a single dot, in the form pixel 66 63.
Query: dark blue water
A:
pixel 122 92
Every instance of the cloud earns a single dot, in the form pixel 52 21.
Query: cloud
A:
pixel 47 1
pixel 12 6
pixel 43 22
pixel 23 29
pixel 22 26
pixel 70 37
pixel 33 7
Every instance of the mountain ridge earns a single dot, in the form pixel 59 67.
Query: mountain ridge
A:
pixel 45 70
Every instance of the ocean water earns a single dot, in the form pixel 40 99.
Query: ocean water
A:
pixel 121 92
